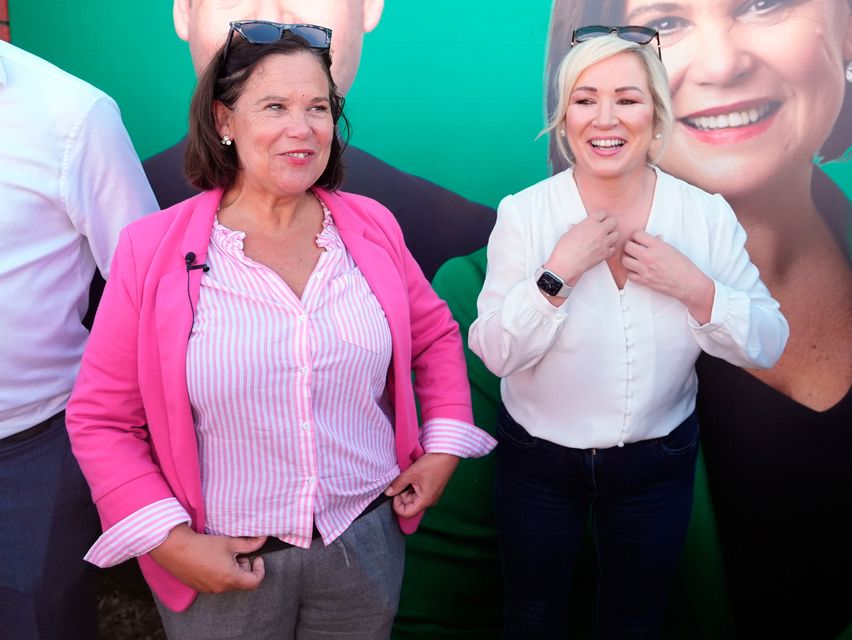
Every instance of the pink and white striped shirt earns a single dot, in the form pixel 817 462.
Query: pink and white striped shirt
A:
pixel 288 397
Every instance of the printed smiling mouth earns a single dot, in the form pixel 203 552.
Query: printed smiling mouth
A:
pixel 732 119
pixel 609 143
pixel 297 154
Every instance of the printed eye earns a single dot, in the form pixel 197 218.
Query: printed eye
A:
pixel 762 6
pixel 667 25
pixel 765 12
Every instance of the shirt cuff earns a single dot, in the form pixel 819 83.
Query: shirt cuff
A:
pixel 138 533
pixel 445 435
pixel 718 314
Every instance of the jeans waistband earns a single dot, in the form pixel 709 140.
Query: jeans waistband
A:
pixel 31 432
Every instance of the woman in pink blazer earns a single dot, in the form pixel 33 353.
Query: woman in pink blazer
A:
pixel 245 411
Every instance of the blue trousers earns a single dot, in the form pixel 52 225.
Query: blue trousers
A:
pixel 47 523
pixel 638 499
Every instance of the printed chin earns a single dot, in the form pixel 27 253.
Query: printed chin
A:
pixel 730 174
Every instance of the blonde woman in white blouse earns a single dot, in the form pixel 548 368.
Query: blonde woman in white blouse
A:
pixel 604 283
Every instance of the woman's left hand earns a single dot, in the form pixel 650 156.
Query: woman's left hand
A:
pixel 421 485
pixel 652 262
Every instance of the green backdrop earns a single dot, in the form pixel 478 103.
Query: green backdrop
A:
pixel 449 91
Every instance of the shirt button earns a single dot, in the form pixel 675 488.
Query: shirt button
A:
pixel 620 444
pixel 627 411
pixel 304 371
pixel 626 325
pixel 303 318
pixel 629 394
pixel 306 426
pixel 625 307
pixel 319 275
pixel 631 378
pixel 621 292
pixel 311 479
pixel 629 343
pixel 631 360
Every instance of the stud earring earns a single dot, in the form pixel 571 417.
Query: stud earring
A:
pixel 227 141
pixel 657 136
pixel 849 73
pixel 562 132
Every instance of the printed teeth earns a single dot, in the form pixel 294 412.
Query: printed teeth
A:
pixel 297 155
pixel 730 120
pixel 607 144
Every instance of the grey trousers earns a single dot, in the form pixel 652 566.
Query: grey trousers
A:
pixel 347 590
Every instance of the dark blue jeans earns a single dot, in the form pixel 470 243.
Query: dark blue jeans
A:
pixel 639 498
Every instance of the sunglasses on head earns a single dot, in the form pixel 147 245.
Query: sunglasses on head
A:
pixel 632 33
pixel 265 32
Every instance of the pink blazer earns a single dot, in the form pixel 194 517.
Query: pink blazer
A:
pixel 129 416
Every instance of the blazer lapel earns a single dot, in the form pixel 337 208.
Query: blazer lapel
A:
pixel 176 302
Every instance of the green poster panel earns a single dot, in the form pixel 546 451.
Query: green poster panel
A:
pixel 447 91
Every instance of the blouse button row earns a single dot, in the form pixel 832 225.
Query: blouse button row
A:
pixel 630 361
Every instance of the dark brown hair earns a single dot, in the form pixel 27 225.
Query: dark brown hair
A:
pixel 208 163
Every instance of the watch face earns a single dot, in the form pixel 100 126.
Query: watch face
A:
pixel 549 283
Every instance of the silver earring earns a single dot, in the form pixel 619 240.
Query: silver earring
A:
pixel 227 141
pixel 562 132
pixel 849 73
pixel 657 136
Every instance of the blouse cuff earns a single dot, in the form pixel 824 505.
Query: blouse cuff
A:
pixel 138 533
pixel 445 435
pixel 718 313
pixel 542 305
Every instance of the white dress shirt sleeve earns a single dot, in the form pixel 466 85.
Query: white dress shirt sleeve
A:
pixel 516 325
pixel 103 186
pixel 746 326
pixel 138 533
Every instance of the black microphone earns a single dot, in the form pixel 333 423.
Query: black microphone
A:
pixel 190 258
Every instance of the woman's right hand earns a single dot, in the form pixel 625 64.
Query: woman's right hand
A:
pixel 209 563
pixel 583 246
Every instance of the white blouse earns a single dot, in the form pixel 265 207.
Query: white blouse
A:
pixel 612 365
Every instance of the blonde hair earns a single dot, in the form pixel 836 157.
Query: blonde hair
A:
pixel 584 55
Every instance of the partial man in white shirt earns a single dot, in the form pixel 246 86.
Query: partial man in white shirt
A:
pixel 70 181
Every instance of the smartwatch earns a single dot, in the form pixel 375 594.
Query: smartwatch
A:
pixel 552 284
